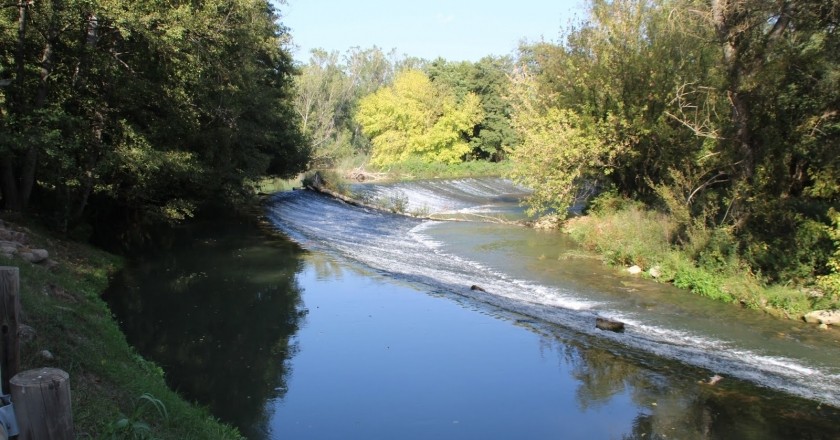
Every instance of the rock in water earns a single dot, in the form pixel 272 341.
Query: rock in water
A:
pixel 478 288
pixel 829 317
pixel 609 325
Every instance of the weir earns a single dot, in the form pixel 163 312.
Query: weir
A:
pixel 523 271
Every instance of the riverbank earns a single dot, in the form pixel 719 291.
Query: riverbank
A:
pixel 704 261
pixel 115 392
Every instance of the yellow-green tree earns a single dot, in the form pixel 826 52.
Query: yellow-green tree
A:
pixel 561 150
pixel 415 119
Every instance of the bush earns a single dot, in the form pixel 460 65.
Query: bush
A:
pixel 623 232
pixel 329 179
pixel 790 300
pixel 416 169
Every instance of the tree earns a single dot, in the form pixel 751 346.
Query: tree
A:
pixel 493 136
pixel 560 151
pixel 736 139
pixel 323 96
pixel 414 119
pixel 142 108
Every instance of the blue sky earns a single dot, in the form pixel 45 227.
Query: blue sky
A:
pixel 457 30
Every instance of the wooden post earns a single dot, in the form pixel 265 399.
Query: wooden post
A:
pixel 9 313
pixel 42 404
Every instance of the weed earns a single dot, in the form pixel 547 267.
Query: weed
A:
pixel 132 427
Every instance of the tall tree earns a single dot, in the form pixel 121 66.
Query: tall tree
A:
pixel 414 119
pixel 493 136
pixel 137 106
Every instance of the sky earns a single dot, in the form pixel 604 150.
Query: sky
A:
pixel 457 30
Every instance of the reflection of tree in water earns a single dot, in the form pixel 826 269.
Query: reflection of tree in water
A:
pixel 217 313
pixel 674 404
pixel 325 266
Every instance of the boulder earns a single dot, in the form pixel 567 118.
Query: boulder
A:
pixel 551 221
pixel 609 325
pixel 634 270
pixel 34 255
pixel 655 272
pixel 477 288
pixel 9 235
pixel 828 317
pixel 9 248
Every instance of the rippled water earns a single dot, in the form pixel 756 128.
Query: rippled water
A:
pixel 354 323
pixel 451 257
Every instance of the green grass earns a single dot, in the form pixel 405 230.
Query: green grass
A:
pixel 273 185
pixel 703 263
pixel 415 170
pixel 107 377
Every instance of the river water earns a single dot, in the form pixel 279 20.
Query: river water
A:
pixel 355 323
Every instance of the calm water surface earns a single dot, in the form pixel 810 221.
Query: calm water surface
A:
pixel 340 337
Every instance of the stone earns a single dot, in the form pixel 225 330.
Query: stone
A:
pixel 46 354
pixel 40 254
pixel 609 325
pixel 477 288
pixel 551 221
pixel 828 317
pixel 9 235
pixel 655 272
pixel 26 333
pixel 714 379
pixel 34 255
pixel 634 270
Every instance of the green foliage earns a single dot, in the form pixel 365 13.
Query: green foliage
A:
pixel 64 305
pixel 132 427
pixel 627 236
pixel 414 119
pixel 561 150
pixel 738 145
pixel 686 275
pixel 144 110
pixel 329 179
pixel 414 168
pixel 831 282
pixel 493 136
pixel 793 301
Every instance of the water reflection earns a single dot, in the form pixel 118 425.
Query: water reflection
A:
pixel 221 311
pixel 674 400
pixel 216 310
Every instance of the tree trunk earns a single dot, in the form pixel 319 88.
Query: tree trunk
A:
pixel 8 184
pixel 738 25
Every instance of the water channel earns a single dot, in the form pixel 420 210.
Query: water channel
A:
pixel 355 323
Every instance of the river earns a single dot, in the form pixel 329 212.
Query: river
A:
pixel 355 323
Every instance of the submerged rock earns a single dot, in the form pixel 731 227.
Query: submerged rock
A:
pixel 609 325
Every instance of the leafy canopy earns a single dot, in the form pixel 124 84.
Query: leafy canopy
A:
pixel 416 119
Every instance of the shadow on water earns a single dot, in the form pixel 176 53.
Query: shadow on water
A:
pixel 215 309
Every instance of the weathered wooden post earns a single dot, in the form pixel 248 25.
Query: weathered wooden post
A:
pixel 9 313
pixel 41 397
pixel 42 404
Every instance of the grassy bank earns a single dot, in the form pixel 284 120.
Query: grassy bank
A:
pixel 116 394
pixel 700 259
